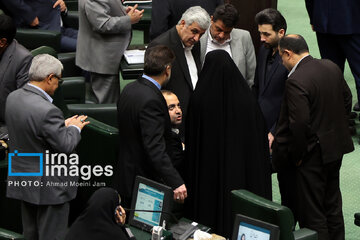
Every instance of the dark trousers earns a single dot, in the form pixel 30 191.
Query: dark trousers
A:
pixel 68 39
pixel 319 197
pixel 44 222
pixel 287 187
pixel 339 48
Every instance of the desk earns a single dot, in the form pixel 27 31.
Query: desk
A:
pixel 143 235
pixel 130 71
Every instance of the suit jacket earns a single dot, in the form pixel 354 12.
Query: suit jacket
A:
pixel 104 34
pixel 166 13
pixel 25 11
pixel 334 17
pixel 269 88
pixel 242 51
pixel 144 130
pixel 14 68
pixel 36 125
pixel 180 81
pixel 315 110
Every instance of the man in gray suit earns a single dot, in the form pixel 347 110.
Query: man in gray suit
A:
pixel 237 42
pixel 37 126
pixel 104 35
pixel 15 61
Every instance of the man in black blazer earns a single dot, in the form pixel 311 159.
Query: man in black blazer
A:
pixel 144 129
pixel 338 33
pixel 312 134
pixel 269 85
pixel 183 39
pixel 15 62
pixel 166 13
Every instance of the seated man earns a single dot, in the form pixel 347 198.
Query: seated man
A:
pixel 175 143
pixel 43 14
pixel 237 42
pixel 15 62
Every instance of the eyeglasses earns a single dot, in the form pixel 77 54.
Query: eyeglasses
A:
pixel 60 80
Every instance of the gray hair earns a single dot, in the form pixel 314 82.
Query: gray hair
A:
pixel 42 66
pixel 196 14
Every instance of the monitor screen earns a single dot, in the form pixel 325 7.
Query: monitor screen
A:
pixel 246 228
pixel 148 198
pixel 249 231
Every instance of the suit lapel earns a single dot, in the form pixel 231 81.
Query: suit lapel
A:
pixel 234 44
pixel 203 46
pixel 268 77
pixel 180 55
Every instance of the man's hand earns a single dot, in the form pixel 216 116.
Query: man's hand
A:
pixel 67 121
pixel 134 14
pixel 78 121
pixel 271 139
pixel 180 194
pixel 62 5
pixel 35 22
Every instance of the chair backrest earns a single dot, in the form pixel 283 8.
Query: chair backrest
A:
pixel 34 38
pixel 44 50
pixel 254 206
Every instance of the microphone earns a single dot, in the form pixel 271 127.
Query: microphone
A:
pixel 152 211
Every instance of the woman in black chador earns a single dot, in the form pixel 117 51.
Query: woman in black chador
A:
pixel 226 144
pixel 102 218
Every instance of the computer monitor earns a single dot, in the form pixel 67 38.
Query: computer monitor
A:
pixel 152 196
pixel 246 228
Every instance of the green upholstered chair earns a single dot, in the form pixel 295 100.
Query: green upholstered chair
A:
pixel 10 235
pixel 72 5
pixel 34 38
pixel 72 18
pixel 254 206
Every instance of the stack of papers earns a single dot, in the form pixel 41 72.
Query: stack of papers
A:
pixel 135 56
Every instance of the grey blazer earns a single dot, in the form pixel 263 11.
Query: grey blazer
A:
pixel 104 34
pixel 242 50
pixel 14 69
pixel 36 125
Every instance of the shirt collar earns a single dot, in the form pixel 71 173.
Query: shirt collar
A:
pixel 186 48
pixel 152 80
pixel 227 41
pixel 294 68
pixel 41 90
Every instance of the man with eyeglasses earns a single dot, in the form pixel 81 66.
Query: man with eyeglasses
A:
pixel 183 39
pixel 36 126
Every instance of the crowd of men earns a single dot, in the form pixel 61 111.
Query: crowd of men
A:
pixel 305 103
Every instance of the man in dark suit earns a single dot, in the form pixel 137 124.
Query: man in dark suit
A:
pixel 43 14
pixel 338 33
pixel 312 134
pixel 269 85
pixel 144 128
pixel 166 13
pixel 183 39
pixel 15 62
pixel 176 146
pixel 37 126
